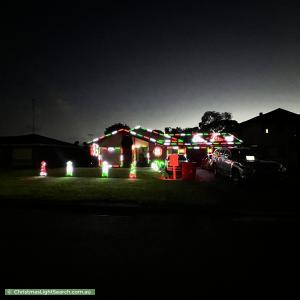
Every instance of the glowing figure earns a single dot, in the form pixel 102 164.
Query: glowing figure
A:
pixel 105 168
pixel 43 171
pixel 132 173
pixel 157 165
pixel 69 168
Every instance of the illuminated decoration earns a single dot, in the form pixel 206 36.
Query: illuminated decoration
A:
pixel 43 171
pixel 157 165
pixel 209 150
pixel 69 168
pixel 214 137
pixel 157 151
pixel 111 149
pixel 95 150
pixel 105 168
pixel 182 151
pixel 114 132
pixel 197 138
pixel 250 158
pixel 121 158
pixel 95 140
pixel 229 138
pixel 148 157
pixel 132 172
pixel 267 130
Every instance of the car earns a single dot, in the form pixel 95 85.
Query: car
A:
pixel 206 162
pixel 181 159
pixel 243 163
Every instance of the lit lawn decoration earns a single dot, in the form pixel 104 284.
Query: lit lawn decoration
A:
pixel 157 151
pixel 43 170
pixel 105 168
pixel 174 162
pixel 69 168
pixel 132 173
pixel 157 165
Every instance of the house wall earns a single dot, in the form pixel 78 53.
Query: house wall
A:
pixel 281 143
pixel 30 156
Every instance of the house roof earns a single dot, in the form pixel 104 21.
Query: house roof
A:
pixel 182 139
pixel 278 114
pixel 31 139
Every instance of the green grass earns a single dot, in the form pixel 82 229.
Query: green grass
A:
pixel 87 185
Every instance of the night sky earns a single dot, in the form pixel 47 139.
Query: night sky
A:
pixel 89 66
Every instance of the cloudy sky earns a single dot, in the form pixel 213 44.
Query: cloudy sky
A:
pixel 92 64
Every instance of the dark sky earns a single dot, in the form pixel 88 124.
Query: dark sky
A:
pixel 90 65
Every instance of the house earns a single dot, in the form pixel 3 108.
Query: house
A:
pixel 276 134
pixel 27 151
pixel 143 145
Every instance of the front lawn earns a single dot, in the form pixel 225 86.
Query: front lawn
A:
pixel 87 185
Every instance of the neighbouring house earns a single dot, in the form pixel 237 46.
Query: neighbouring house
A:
pixel 276 135
pixel 144 146
pixel 27 151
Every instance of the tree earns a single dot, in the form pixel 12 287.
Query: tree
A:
pixel 217 122
pixel 171 130
pixel 115 127
pixel 191 129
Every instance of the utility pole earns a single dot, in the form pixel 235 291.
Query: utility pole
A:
pixel 33 116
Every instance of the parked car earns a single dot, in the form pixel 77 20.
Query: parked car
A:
pixel 243 163
pixel 181 158
pixel 207 162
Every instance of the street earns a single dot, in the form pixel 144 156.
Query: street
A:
pixel 142 253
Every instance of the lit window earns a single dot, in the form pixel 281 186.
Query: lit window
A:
pixel 267 130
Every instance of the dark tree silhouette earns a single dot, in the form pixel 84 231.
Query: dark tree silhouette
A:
pixel 218 122
pixel 115 127
pixel 191 129
pixel 173 130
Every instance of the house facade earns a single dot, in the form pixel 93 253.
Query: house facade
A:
pixel 120 148
pixel 275 134
pixel 27 151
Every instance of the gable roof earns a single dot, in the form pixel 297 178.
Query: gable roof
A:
pixel 180 139
pixel 31 139
pixel 276 114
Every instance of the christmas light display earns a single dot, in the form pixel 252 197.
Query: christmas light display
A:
pixel 94 150
pixel 229 138
pixel 157 151
pixel 43 171
pixel 69 168
pixel 197 138
pixel 157 165
pixel 178 143
pixel 148 157
pixel 105 168
pixel 132 173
